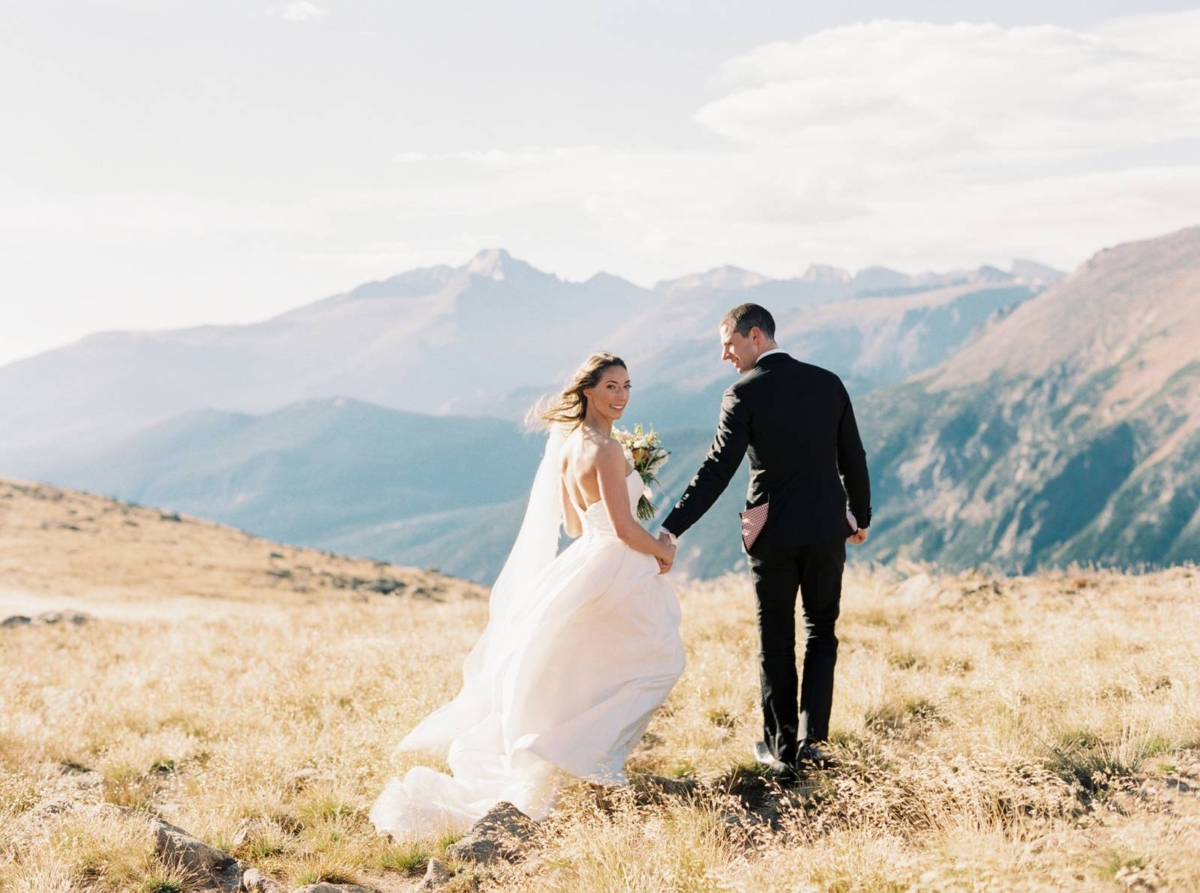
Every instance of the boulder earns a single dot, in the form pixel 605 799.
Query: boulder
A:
pixel 504 833
pixel 76 617
pixel 254 881
pixel 436 876
pixel 194 855
pixel 44 819
pixel 47 618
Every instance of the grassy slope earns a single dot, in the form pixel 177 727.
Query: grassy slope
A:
pixel 1034 733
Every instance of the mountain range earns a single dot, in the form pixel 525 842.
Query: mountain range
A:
pixel 1067 432
pixel 483 339
pixel 1012 418
pixel 317 471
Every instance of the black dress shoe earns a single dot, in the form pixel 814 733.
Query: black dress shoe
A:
pixel 812 757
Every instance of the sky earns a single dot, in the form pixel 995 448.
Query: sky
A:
pixel 169 163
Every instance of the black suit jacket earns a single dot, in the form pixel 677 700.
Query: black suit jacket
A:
pixel 796 422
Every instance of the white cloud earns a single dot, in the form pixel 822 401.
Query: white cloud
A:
pixel 913 145
pixel 908 144
pixel 890 142
pixel 908 94
pixel 1172 36
pixel 302 11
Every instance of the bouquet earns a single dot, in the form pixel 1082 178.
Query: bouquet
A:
pixel 648 456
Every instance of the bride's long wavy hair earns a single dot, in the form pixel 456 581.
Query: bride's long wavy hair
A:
pixel 570 407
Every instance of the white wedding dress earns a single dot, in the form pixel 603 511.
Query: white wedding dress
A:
pixel 579 651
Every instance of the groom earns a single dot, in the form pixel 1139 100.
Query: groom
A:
pixel 796 422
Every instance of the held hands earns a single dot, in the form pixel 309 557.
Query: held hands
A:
pixel 666 560
pixel 858 537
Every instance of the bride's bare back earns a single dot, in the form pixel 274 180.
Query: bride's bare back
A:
pixel 594 469
pixel 580 460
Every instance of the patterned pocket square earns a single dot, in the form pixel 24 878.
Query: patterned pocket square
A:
pixel 752 524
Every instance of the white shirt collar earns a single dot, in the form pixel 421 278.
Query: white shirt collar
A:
pixel 768 353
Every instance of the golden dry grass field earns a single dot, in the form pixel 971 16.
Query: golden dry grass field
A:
pixel 1036 733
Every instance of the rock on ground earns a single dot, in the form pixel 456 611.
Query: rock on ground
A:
pixel 436 876
pixel 504 833
pixel 254 881
pixel 76 617
pixel 194 855
pixel 75 789
pixel 47 618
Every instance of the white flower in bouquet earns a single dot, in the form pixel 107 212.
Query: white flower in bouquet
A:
pixel 648 455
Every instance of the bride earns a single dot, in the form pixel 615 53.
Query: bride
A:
pixel 579 649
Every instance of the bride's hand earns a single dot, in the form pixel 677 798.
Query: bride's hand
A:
pixel 667 562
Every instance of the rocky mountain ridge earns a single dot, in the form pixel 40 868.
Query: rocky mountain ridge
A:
pixel 480 339
pixel 1041 427
pixel 1067 432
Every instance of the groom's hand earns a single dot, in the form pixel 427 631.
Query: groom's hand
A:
pixel 858 537
pixel 665 564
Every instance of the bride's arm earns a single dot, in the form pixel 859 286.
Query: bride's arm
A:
pixel 570 516
pixel 610 474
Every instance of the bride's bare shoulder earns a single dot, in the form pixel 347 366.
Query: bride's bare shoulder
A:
pixel 586 452
pixel 610 455
pixel 577 449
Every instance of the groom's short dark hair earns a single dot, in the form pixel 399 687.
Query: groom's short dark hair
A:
pixel 745 317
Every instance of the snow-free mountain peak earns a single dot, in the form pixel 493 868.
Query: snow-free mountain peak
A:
pixel 991 274
pixel 724 278
pixel 1131 307
pixel 825 275
pixel 1067 431
pixel 495 263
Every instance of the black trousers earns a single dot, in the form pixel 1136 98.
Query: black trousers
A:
pixel 779 571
